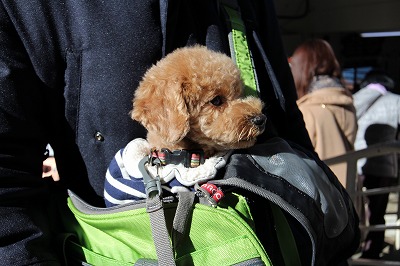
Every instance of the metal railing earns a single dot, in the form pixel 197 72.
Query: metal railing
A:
pixel 358 193
pixel 351 159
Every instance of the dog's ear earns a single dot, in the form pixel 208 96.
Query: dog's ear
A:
pixel 160 107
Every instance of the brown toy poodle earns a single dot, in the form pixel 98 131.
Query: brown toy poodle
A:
pixel 192 105
pixel 193 99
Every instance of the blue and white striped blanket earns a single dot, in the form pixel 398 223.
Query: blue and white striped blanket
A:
pixel 124 181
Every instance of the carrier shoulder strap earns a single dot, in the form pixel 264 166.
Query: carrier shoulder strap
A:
pixel 240 51
pixel 241 54
pixel 164 250
pixel 155 209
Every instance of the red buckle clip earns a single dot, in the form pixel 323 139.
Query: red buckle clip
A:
pixel 214 192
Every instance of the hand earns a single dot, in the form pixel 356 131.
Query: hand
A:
pixel 50 169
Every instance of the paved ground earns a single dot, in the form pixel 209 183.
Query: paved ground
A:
pixel 392 237
pixel 391 253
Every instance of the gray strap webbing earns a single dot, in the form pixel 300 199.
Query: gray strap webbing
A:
pixel 163 19
pixel 182 216
pixel 159 229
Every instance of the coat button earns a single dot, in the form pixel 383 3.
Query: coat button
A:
pixel 98 136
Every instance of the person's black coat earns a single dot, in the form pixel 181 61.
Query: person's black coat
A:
pixel 68 71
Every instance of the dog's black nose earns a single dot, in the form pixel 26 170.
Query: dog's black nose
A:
pixel 259 120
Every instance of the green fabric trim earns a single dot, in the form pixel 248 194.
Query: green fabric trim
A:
pixel 226 254
pixel 82 254
pixel 242 52
pixel 286 239
pixel 215 236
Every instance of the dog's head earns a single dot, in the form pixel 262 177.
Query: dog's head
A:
pixel 193 98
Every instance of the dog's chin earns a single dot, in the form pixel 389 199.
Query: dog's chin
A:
pixel 247 143
pixel 241 144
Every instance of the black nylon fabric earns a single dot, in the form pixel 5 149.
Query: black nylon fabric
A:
pixel 68 72
pixel 333 228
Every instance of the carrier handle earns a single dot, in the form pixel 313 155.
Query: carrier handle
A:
pixel 159 230
pixel 155 209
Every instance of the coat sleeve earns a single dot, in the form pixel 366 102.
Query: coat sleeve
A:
pixel 309 121
pixel 23 193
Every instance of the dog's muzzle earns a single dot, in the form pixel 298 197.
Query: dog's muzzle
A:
pixel 259 121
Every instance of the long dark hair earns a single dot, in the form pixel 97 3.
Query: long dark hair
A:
pixel 313 57
pixel 378 76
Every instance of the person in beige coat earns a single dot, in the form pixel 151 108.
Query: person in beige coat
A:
pixel 326 105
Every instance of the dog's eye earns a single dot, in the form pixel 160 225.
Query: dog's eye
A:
pixel 217 101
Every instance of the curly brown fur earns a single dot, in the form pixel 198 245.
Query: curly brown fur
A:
pixel 193 98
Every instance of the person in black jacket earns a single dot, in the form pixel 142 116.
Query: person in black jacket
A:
pixel 68 71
